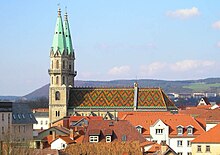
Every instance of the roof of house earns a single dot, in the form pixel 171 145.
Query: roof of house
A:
pixel 147 119
pixel 22 114
pixel 5 106
pixel 210 115
pixel 211 136
pixel 120 129
pixel 41 114
pixel 67 139
pixel 153 98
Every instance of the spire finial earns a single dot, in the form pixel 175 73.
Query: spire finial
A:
pixel 59 10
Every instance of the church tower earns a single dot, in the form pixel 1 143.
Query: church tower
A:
pixel 61 70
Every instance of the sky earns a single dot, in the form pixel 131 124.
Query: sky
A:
pixel 126 39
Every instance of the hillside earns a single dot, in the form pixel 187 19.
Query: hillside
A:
pixel 188 86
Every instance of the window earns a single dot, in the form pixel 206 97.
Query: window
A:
pixel 52 79
pixel 207 149
pixel 64 80
pixel 139 129
pixel 189 130
pixel 108 139
pixel 23 116
pixel 124 138
pixel 57 95
pixel 155 141
pixel 70 67
pixel 199 149
pixel 179 143
pixel 179 130
pixel 159 131
pixel 180 153
pixel 57 80
pixel 188 143
pixel 19 128
pixel 93 139
pixel 19 117
pixel 64 64
pixel 14 117
pixel 46 122
pixel 24 128
pixel 189 153
pixel 57 64
pixel 9 116
pixel 57 114
pixel 3 130
pixel 41 122
pixel 3 118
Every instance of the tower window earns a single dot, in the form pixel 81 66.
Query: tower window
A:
pixel 57 95
pixel 57 64
pixel 52 79
pixel 70 67
pixel 64 80
pixel 57 80
pixel 52 64
pixel 64 64
pixel 59 32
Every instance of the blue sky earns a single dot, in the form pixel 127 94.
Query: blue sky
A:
pixel 126 39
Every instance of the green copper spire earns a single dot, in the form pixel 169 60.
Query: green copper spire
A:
pixel 59 42
pixel 67 34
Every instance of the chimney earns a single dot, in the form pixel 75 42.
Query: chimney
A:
pixel 72 134
pixel 54 135
pixel 135 95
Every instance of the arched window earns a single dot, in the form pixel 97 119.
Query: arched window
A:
pixel 64 64
pixel 64 80
pixel 57 80
pixel 57 95
pixel 57 64
pixel 52 79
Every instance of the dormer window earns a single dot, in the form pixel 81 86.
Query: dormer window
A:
pixel 179 130
pixel 108 139
pixel 190 130
pixel 139 128
pixel 93 139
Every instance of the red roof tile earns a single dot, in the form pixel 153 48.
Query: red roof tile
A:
pixel 146 119
pixel 211 136
pixel 119 129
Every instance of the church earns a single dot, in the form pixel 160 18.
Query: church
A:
pixel 67 100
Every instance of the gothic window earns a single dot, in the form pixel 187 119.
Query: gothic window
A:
pixel 57 80
pixel 57 64
pixel 57 95
pixel 52 80
pixel 70 67
pixel 52 64
pixel 64 64
pixel 64 80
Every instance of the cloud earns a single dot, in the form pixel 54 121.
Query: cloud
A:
pixel 178 70
pixel 216 25
pixel 119 70
pixel 184 13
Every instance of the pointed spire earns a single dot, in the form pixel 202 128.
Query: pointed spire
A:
pixel 67 34
pixel 59 42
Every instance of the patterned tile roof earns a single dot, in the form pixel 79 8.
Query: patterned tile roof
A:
pixel 119 98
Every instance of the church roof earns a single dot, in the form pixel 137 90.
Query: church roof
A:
pixel 148 98
pixel 67 34
pixel 59 42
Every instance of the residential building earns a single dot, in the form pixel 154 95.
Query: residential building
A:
pixel 208 142
pixel 42 120
pixel 5 120
pixel 176 130
pixel 111 131
pixel 22 122
pixel 66 100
